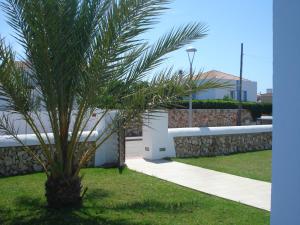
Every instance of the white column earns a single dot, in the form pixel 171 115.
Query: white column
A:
pixel 155 136
pixel 286 111
pixel 108 151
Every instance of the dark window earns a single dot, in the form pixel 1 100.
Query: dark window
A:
pixel 245 97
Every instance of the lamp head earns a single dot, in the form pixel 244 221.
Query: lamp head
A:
pixel 191 49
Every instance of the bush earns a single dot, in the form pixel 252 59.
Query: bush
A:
pixel 256 109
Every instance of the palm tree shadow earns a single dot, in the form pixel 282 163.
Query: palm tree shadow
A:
pixel 158 206
pixel 32 210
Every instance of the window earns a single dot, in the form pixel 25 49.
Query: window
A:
pixel 245 97
pixel 232 94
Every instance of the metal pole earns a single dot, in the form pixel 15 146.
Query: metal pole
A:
pixel 239 120
pixel 191 50
pixel 190 100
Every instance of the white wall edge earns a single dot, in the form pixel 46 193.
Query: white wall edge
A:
pixel 31 139
pixel 207 131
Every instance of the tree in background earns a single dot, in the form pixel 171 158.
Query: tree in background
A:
pixel 83 55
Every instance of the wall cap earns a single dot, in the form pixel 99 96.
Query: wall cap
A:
pixel 31 139
pixel 208 131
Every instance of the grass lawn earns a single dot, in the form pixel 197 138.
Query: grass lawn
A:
pixel 127 199
pixel 255 165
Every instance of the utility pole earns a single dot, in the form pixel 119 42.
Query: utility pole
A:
pixel 239 119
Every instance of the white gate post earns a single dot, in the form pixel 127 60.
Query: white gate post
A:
pixel 155 136
pixel 108 152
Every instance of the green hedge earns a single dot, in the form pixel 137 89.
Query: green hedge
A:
pixel 256 109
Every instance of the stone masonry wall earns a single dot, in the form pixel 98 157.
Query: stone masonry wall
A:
pixel 208 117
pixel 221 144
pixel 14 160
pixel 201 118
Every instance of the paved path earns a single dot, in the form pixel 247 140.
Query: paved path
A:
pixel 134 147
pixel 247 191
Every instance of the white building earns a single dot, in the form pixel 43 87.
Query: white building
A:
pixel 249 88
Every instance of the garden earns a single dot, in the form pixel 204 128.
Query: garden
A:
pixel 129 198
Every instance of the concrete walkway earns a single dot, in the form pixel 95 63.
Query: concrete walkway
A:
pixel 244 190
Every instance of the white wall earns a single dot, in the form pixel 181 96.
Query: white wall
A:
pixel 23 128
pixel 220 93
pixel 209 94
pixel 251 88
pixel 31 139
pixel 106 153
pixel 285 209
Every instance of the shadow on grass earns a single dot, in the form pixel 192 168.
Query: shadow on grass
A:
pixel 158 206
pixel 31 210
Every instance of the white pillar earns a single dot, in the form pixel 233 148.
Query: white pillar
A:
pixel 108 152
pixel 286 110
pixel 155 136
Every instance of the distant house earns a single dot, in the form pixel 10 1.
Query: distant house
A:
pixel 249 88
pixel 266 97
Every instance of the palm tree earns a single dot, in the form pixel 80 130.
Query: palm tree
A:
pixel 82 55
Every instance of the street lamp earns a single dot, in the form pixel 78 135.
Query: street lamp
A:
pixel 191 54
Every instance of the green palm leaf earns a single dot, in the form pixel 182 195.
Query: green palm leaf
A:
pixel 84 55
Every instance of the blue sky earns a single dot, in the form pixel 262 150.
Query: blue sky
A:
pixel 230 22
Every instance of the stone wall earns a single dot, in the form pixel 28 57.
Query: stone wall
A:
pixel 14 160
pixel 221 144
pixel 201 118
pixel 208 117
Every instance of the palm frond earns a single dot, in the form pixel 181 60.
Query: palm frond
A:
pixel 84 55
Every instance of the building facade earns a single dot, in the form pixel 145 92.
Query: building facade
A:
pixel 249 88
pixel 266 97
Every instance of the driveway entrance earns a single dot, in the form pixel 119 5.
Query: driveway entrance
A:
pixel 134 147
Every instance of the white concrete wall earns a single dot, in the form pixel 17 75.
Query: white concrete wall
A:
pixel 31 139
pixel 285 209
pixel 23 128
pixel 106 153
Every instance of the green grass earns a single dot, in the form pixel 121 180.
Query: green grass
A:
pixel 122 199
pixel 255 165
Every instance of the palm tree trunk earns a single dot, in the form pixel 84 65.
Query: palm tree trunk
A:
pixel 63 191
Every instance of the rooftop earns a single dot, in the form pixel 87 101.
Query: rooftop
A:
pixel 214 74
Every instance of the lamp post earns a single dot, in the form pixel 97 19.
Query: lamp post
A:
pixel 191 54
